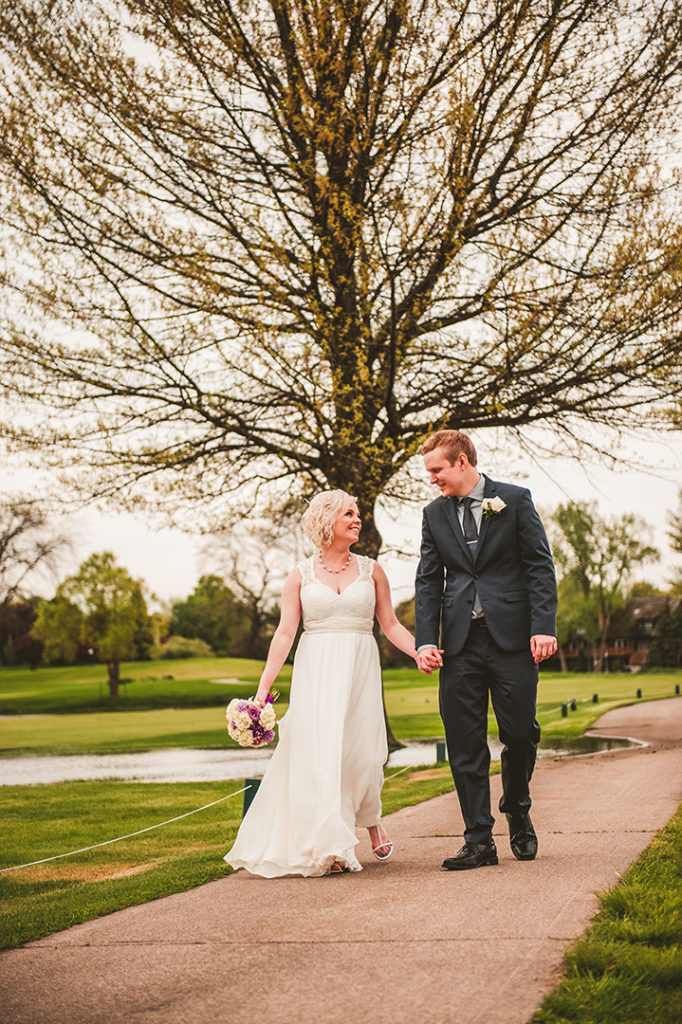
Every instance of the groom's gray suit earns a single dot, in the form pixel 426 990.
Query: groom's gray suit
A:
pixel 512 573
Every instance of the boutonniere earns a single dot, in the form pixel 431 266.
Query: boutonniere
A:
pixel 492 506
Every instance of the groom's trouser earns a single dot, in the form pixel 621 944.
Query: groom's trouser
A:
pixel 511 678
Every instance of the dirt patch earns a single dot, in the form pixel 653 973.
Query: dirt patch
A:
pixel 431 773
pixel 86 872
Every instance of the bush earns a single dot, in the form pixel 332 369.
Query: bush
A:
pixel 182 647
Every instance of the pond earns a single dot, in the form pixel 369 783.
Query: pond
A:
pixel 190 765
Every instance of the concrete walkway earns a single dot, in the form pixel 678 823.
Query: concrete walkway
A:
pixel 401 943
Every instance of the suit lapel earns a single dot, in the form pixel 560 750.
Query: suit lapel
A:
pixel 453 519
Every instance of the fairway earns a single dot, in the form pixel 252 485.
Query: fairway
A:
pixel 191 682
pixel 179 716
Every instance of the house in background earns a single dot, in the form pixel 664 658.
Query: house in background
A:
pixel 630 634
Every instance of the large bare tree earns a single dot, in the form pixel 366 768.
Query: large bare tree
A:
pixel 276 242
pixel 31 549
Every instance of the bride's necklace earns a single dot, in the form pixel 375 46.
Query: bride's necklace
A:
pixel 327 569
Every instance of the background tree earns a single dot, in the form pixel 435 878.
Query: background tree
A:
pixel 30 549
pixel 572 621
pixel 58 627
pixel 598 556
pixel 675 535
pixel 665 648
pixel 643 588
pixel 100 606
pixel 210 613
pixel 262 248
pixel 17 645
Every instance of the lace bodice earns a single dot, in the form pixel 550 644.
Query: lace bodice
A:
pixel 326 611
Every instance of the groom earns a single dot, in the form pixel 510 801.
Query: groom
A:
pixel 486 582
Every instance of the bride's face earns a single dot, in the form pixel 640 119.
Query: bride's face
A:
pixel 348 525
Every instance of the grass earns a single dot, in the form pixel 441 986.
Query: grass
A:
pixel 42 821
pixel 411 700
pixel 145 685
pixel 627 969
pixel 121 732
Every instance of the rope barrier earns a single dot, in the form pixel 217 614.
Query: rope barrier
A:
pixel 107 842
pixel 150 828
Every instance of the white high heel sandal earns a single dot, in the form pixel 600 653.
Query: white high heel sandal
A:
pixel 386 845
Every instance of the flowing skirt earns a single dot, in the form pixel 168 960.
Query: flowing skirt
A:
pixel 326 774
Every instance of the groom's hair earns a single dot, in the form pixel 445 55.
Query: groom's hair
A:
pixel 453 443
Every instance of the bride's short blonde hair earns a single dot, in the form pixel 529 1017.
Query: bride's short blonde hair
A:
pixel 322 512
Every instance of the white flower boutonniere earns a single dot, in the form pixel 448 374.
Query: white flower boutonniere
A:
pixel 492 506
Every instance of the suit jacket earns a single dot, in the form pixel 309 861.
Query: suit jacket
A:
pixel 512 571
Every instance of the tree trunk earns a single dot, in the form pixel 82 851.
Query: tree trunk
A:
pixel 562 658
pixel 113 670
pixel 603 646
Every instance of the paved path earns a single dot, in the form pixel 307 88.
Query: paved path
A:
pixel 401 943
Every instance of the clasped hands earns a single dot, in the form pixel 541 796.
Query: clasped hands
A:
pixel 541 646
pixel 428 659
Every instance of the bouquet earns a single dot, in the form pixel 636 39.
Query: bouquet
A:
pixel 250 724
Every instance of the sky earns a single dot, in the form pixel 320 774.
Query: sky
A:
pixel 171 561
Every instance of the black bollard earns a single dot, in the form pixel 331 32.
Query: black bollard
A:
pixel 249 793
pixel 574 706
pixel 441 755
pixel 564 710
pixel 595 698
pixel 639 693
pixel 677 689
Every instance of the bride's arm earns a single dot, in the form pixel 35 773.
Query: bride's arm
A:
pixel 394 631
pixel 285 634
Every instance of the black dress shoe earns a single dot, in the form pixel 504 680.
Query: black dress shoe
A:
pixel 522 838
pixel 472 855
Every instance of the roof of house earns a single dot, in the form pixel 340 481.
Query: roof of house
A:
pixel 626 620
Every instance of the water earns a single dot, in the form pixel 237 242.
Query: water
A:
pixel 188 765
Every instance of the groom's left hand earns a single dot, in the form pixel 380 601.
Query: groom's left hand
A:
pixel 542 646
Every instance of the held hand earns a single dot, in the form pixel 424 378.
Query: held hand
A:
pixel 542 646
pixel 429 659
pixel 261 695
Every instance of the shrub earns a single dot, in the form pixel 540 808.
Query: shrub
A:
pixel 182 647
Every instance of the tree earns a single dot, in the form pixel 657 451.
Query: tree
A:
pixel 264 248
pixel 211 613
pixel 571 619
pixel 17 646
pixel 598 556
pixel 643 588
pixel 29 547
pixel 675 535
pixel 58 626
pixel 100 606
pixel 665 649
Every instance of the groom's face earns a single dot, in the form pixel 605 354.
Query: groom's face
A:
pixel 450 477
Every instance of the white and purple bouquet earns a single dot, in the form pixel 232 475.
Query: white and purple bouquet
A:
pixel 250 724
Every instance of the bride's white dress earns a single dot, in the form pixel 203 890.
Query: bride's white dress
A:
pixel 325 777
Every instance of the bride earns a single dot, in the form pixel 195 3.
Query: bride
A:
pixel 326 774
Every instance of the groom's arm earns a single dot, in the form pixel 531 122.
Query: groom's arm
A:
pixel 428 590
pixel 536 556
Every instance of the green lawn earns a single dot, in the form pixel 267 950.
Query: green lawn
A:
pixel 411 700
pixel 42 821
pixel 627 969
pixel 190 682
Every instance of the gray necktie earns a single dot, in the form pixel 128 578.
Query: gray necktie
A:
pixel 471 537
pixel 469 525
